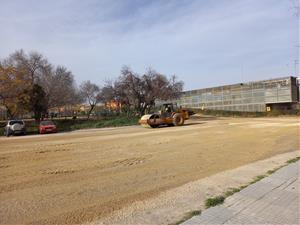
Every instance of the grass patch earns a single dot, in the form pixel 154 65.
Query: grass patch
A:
pixel 258 178
pixel 187 216
pixel 210 202
pixel 231 191
pixel 109 122
pixel 213 201
pixel 243 186
pixel 293 160
pixel 269 172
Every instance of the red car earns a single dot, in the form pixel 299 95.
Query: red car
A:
pixel 47 126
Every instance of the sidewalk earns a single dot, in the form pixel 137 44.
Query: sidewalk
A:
pixel 272 200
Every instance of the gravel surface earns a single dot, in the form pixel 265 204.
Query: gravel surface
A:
pixel 121 175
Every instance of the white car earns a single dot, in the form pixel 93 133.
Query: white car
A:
pixel 14 127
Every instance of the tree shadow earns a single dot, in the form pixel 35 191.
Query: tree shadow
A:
pixel 184 125
pixel 192 123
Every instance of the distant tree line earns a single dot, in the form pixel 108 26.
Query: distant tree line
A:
pixel 30 83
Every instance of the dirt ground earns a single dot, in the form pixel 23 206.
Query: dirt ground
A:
pixel 87 175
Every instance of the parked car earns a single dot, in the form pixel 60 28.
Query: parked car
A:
pixel 47 126
pixel 14 127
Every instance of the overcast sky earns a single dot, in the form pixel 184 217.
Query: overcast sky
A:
pixel 205 43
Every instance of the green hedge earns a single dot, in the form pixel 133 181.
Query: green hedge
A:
pixel 75 124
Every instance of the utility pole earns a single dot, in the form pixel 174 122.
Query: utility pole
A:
pixel 242 72
pixel 296 7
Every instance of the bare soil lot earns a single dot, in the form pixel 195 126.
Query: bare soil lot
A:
pixel 85 175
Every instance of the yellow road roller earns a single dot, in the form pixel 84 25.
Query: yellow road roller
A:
pixel 170 115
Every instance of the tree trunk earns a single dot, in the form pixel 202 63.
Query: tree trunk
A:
pixel 90 111
pixel 143 109
pixel 9 113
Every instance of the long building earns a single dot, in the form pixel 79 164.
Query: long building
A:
pixel 258 96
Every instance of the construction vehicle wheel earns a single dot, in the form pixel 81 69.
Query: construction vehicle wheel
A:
pixel 178 120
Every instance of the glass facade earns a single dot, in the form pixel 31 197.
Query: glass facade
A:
pixel 250 97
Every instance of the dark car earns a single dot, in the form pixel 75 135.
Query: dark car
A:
pixel 47 126
pixel 14 127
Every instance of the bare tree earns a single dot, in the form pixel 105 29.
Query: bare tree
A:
pixel 60 87
pixel 33 64
pixel 158 87
pixel 141 92
pixel 130 86
pixel 90 92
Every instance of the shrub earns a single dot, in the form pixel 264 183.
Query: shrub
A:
pixel 210 202
pixel 293 160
